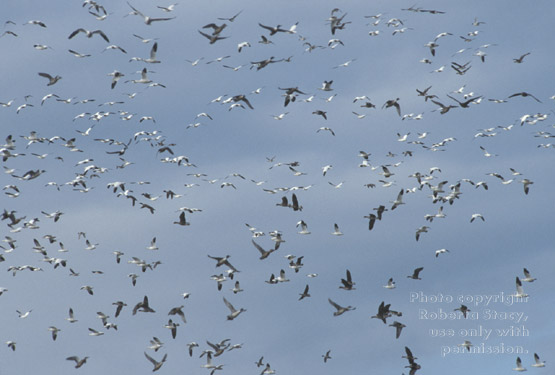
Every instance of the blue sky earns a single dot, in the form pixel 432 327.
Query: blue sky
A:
pixel 484 257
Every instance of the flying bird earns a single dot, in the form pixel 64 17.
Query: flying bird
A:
pixel 336 231
pixel 372 220
pixel 519 291
pixel 524 94
pixel 148 20
pixel 398 328
pixel 528 278
pixel 520 59
pixel 305 293
pixel 234 312
pixel 77 54
pixel 221 261
pixel 383 312
pixel 78 361
pixel 393 103
pixel 463 309
pixel 169 8
pixel 441 251
pixel 172 327
pixel 416 273
pixel 390 284
pixel 54 331
pixel 347 283
pixel 466 344
pixel 526 183
pixel 143 306
pixel 212 38
pixel 340 309
pixel 263 253
pixel 422 229
pixel 157 365
pixel 182 221
pixel 519 367
pixel 231 19
pixel 89 34
pixel 115 78
pixel 178 311
pixel 274 30
pixel 51 80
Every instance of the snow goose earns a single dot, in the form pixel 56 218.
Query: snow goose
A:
pixel 519 367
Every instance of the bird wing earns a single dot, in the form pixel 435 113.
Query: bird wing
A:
pixel 266 27
pixel 101 33
pixel 398 330
pixel 259 248
pixel 453 99
pixel 519 289
pixel 75 33
pixel 247 102
pixel 438 103
pixel 334 304
pixel 372 221
pixel 295 203
pixel 135 10
pixel 539 101
pixel 229 305
pixel 145 302
pixel 152 360
pixel 230 266
pixel 205 35
pixel 381 308
pixel 45 75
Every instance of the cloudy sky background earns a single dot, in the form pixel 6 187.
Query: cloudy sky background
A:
pixel 484 259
